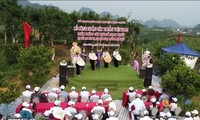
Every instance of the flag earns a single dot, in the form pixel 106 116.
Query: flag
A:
pixel 179 37
pixel 27 32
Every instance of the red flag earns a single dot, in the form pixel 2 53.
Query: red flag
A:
pixel 27 32
pixel 179 37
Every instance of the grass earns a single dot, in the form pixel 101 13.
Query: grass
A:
pixel 124 76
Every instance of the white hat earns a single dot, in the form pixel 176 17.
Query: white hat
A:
pixel 17 115
pixel 111 113
pixel 58 113
pixel 36 89
pixel 147 52
pixel 68 113
pixel 95 117
pixel 57 103
pixel 47 113
pixel 100 101
pixel 174 99
pixel 78 116
pixel 25 104
pixel 195 112
pixel 54 89
pixel 28 87
pixel 83 88
pixel 146 112
pixel 105 90
pixel 188 114
pixel 153 100
pixel 169 114
pixel 71 103
pixel 144 90
pixel 109 99
pixel 62 87
pixel 150 87
pixel 93 91
pixel 131 88
pixel 73 88
pixel 138 95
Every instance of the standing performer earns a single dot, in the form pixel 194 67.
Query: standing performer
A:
pixel 117 57
pixel 84 56
pixel 92 57
pixel 99 55
pixel 78 62
pixel 107 58
pixel 136 65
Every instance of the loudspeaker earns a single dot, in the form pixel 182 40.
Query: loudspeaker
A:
pixel 148 77
pixel 63 70
pixel 142 73
pixel 63 80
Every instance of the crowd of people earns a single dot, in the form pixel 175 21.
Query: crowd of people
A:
pixel 162 107
pixel 105 108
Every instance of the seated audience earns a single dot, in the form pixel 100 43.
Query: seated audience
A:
pixel 73 93
pixel 138 106
pixel 195 115
pixel 68 115
pixel 56 105
pixel 151 91
pixel 99 107
pixel 58 113
pixel 79 116
pixel 26 107
pixel 169 116
pixel 111 116
pixel 53 93
pixel 131 93
pixel 146 116
pixel 162 116
pixel 105 95
pixel 164 96
pixel 94 97
pixel 37 93
pixel 84 93
pixel 63 93
pixel 71 109
pixel 111 105
pixel 47 114
pixel 188 116
pixel 27 92
pixel 173 105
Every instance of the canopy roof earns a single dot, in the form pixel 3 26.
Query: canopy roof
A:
pixel 182 49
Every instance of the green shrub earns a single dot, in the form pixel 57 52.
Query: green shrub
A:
pixel 11 52
pixel 35 63
pixel 126 57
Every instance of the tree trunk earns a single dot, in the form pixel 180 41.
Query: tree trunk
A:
pixel 5 37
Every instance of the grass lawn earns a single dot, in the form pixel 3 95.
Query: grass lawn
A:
pixel 123 77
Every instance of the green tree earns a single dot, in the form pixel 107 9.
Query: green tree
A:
pixel 34 63
pixel 168 61
pixel 181 80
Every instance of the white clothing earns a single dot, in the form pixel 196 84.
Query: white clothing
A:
pixel 52 94
pixel 93 97
pixel 112 118
pixel 26 109
pixel 172 106
pixel 115 53
pixel 105 54
pixel 71 110
pixel 84 94
pixel 112 106
pixel 190 118
pixel 26 93
pixel 139 105
pixel 146 118
pixel 172 119
pixel 196 118
pixel 73 94
pixel 98 108
pixel 131 94
pixel 53 108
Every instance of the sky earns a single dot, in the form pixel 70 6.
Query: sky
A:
pixel 185 13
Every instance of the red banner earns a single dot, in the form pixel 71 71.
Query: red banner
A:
pixel 179 38
pixel 27 32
